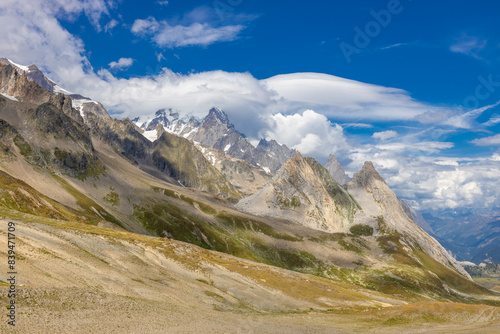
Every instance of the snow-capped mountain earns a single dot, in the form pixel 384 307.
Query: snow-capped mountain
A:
pixel 167 120
pixel 33 73
pixel 216 131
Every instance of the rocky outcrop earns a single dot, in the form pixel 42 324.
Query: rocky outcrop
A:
pixel 216 131
pixel 247 178
pixel 179 158
pixel 16 84
pixel 296 193
pixel 279 152
pixel 376 199
pixel 91 107
pixel 64 103
pixel 336 170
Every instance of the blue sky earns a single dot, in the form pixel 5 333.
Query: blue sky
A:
pixel 411 85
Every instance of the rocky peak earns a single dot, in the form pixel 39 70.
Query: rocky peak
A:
pixel 33 73
pixel 336 170
pixel 296 193
pixel 64 103
pixel 15 83
pixel 295 168
pixel 216 114
pixel 268 145
pixel 280 151
pixel 366 175
pixel 161 118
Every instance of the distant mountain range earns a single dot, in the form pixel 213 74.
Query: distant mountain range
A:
pixel 216 131
pixel 203 182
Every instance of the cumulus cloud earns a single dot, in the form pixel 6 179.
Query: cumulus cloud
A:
pixel 434 183
pixel 278 108
pixel 384 135
pixel 308 132
pixel 121 64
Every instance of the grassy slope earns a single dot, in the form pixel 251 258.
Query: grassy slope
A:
pixel 158 285
pixel 397 271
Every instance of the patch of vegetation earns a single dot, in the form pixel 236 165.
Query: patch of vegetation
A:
pixel 361 230
pixel 78 164
pixel 452 279
pixel 23 146
pixel 236 238
pixel 92 211
pixel 247 224
pixel 167 220
pixel 194 203
pixel 352 245
pixel 18 196
pixel 295 201
pixel 397 282
pixel 489 269
pixel 346 241
pixel 112 198
pixel 287 258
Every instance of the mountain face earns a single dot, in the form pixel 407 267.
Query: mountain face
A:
pixel 168 120
pixel 176 158
pixel 336 170
pixel 216 131
pixel 14 84
pixel 302 194
pixel 61 169
pixel 377 200
pixel 247 178
pixel 62 140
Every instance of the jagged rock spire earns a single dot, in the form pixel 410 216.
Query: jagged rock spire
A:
pixel 336 170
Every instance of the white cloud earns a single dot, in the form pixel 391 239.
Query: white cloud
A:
pixel 162 2
pixel 110 25
pixel 309 132
pixel 467 120
pixel 468 45
pixel 145 27
pixel 121 64
pixel 433 182
pixel 384 135
pixel 345 99
pixel 31 33
pixel 424 146
pixel 357 125
pixel 487 141
pixel 492 121
pixel 172 36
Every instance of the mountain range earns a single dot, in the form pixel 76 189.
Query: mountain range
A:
pixel 256 220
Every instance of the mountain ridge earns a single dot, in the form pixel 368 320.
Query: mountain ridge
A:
pixel 169 188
